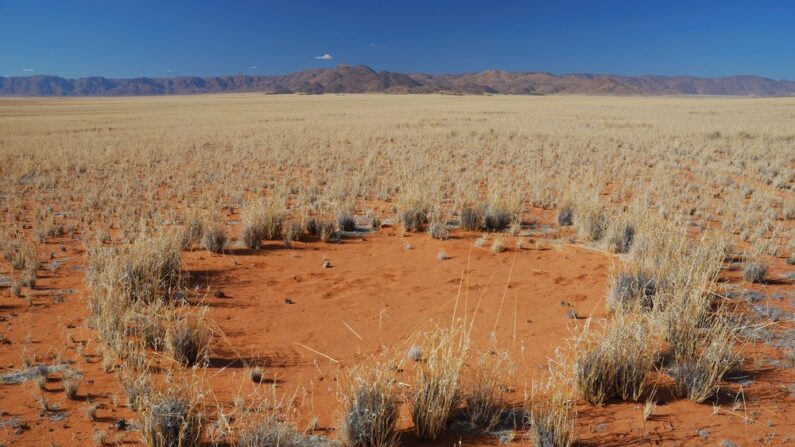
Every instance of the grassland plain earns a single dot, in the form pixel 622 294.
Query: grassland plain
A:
pixel 248 269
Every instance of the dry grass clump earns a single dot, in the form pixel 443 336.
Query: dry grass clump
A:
pixel 346 222
pixel 262 221
pixel 414 218
pixel 192 232
pixel 126 282
pixel 755 272
pixel 150 322
pixel 698 373
pixel 171 418
pixel 552 413
pixel 214 238
pixel 253 220
pixel 269 431
pixel 484 389
pixel 327 230
pixel 188 338
pixel 492 218
pixel 565 214
pixel 438 230
pixel 371 405
pixel 291 232
pixel 496 219
pixel 71 383
pixel 614 361
pixel 631 291
pixel 435 392
pixel 590 220
pixel 21 254
pixel 619 237
pixel 137 386
pixel 471 218
pixel 498 245
pixel 152 268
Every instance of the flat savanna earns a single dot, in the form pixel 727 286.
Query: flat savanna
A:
pixel 374 270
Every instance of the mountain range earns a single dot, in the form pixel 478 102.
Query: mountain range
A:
pixel 363 79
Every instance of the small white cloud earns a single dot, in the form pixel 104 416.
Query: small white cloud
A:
pixel 374 45
pixel 325 57
pixel 28 70
pixel 253 67
pixel 168 70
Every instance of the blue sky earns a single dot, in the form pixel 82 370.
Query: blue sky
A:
pixel 129 38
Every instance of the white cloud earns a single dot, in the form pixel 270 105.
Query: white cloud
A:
pixel 28 70
pixel 168 70
pixel 325 57
pixel 374 45
pixel 253 67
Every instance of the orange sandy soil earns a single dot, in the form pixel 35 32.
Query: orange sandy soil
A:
pixel 383 293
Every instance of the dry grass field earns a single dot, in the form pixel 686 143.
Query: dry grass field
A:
pixel 380 270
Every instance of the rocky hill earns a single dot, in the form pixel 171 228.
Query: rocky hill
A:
pixel 363 79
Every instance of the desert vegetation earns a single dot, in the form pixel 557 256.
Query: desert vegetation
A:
pixel 615 270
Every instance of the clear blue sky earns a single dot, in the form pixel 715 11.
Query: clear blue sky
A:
pixel 128 38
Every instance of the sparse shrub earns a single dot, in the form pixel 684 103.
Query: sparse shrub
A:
pixel 754 272
pixel 471 218
pixel 214 239
pixel 371 409
pixel 346 222
pixel 497 246
pixel 438 230
pixel 791 258
pixel 620 237
pixel 436 386
pixel 442 255
pixel 615 361
pixel 171 420
pixel 631 291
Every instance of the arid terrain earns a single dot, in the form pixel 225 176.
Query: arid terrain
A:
pixel 374 270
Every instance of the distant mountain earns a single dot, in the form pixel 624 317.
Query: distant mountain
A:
pixel 363 79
